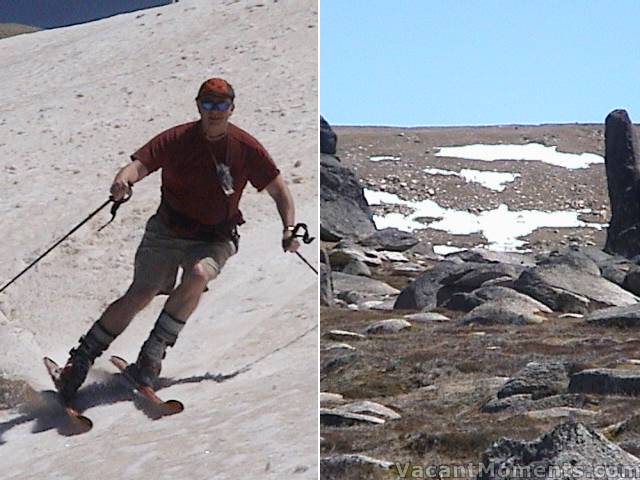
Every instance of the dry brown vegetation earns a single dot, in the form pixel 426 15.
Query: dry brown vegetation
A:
pixel 438 377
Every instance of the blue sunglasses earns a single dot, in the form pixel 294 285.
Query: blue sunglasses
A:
pixel 209 105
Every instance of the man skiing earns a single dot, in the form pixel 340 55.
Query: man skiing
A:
pixel 205 167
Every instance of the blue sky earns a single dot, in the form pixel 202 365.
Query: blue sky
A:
pixel 483 62
pixel 57 13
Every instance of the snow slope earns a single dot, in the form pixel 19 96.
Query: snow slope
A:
pixel 74 103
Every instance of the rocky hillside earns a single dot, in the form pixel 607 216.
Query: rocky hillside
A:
pixel 480 358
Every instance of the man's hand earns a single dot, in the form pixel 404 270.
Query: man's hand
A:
pixel 289 243
pixel 120 189
pixel 126 177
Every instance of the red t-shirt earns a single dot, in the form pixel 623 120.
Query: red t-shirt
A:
pixel 190 186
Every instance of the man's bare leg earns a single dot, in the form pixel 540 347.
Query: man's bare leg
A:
pixel 184 299
pixel 119 314
pixel 178 308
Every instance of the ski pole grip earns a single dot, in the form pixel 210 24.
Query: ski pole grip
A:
pixel 116 206
pixel 305 236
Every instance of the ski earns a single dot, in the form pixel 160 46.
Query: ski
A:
pixel 77 423
pixel 168 407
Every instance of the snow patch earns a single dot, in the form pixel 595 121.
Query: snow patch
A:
pixel 492 180
pixel 446 249
pixel 530 151
pixel 383 158
pixel 501 227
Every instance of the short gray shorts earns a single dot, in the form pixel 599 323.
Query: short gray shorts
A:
pixel 161 253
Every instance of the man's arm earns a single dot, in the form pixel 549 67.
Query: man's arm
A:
pixel 280 193
pixel 126 177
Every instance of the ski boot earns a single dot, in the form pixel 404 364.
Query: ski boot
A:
pixel 146 370
pixel 81 358
pixel 149 363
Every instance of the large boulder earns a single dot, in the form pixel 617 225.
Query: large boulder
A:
pixel 622 317
pixel 347 251
pixel 571 450
pixel 391 239
pixel 504 312
pixel 422 293
pixel 606 381
pixel 623 181
pixel 344 212
pixel 540 379
pixel 504 293
pixel 366 287
pixel 574 259
pixel 468 301
pixel 328 138
pixel 571 283
pixel 469 280
pixel 357 267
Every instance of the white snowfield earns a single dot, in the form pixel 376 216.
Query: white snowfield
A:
pixel 74 103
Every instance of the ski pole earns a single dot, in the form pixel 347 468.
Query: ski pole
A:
pixel 306 261
pixel 114 209
pixel 305 237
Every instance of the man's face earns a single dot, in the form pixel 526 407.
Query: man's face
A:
pixel 215 110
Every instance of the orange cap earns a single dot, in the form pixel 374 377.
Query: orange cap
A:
pixel 218 87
